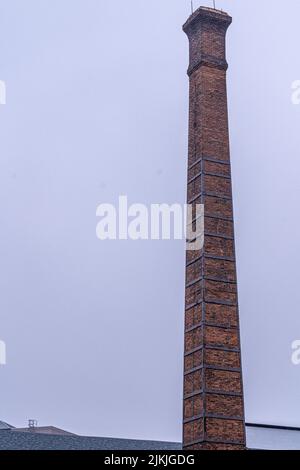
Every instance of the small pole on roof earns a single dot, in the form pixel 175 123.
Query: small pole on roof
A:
pixel 192 6
pixel 32 423
pixel 214 4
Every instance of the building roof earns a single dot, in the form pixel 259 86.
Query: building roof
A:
pixel 45 430
pixel 259 436
pixel 15 440
pixel 4 425
pixel 266 437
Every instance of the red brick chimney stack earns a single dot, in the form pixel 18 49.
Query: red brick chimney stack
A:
pixel 213 391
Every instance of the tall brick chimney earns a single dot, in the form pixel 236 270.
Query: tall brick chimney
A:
pixel 213 391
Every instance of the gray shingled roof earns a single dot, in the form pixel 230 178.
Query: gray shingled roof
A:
pixel 12 440
pixel 4 425
pixel 46 430
pixel 258 437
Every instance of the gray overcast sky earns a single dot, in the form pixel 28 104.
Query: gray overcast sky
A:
pixel 97 99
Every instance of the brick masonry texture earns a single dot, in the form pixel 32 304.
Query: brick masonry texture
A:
pixel 213 391
pixel 215 446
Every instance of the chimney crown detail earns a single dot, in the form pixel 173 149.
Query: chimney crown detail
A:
pixel 206 29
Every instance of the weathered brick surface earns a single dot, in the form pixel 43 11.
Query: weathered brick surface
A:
pixel 220 292
pixel 224 359
pixel 222 315
pixel 193 431
pixel 193 382
pixel 216 185
pixel 193 406
pixel 216 446
pixel 193 255
pixel 215 336
pixel 219 269
pixel 221 405
pixel 193 360
pixel 193 271
pixel 194 171
pixel 194 294
pixel 193 339
pixel 216 168
pixel 217 207
pixel 213 392
pixel 223 381
pixel 193 316
pixel 225 429
pixel 194 188
pixel 219 227
pixel 216 246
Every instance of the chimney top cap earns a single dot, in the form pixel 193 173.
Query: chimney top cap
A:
pixel 210 14
pixel 222 12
